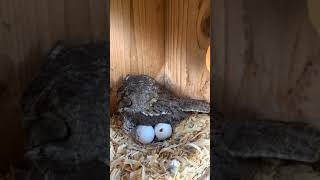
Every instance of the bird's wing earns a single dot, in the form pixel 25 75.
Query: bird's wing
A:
pixel 162 103
pixel 158 108
pixel 193 105
pixel 165 109
pixel 271 139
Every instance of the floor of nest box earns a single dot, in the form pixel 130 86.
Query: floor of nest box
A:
pixel 185 154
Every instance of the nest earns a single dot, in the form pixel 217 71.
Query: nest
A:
pixel 186 155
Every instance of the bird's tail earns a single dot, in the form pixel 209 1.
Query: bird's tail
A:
pixel 192 105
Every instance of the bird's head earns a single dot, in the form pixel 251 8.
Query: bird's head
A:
pixel 135 92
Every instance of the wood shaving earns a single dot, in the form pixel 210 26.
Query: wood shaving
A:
pixel 185 155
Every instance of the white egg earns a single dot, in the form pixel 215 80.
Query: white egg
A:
pixel 163 131
pixel 145 134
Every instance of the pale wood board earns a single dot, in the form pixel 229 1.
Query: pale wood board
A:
pixel 164 39
pixel 268 57
pixel 187 39
pixel 136 40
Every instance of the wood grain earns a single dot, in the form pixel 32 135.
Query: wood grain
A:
pixel 136 40
pixel 187 40
pixel 267 60
pixel 219 48
pixel 27 30
pixel 314 13
pixel 164 39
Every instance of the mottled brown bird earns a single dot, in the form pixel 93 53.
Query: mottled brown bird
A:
pixel 241 145
pixel 143 101
pixel 65 116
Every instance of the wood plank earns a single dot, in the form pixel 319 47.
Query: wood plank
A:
pixel 314 13
pixel 136 40
pixel 77 18
pixel 99 22
pixel 166 40
pixel 187 39
pixel 219 51
pixel 272 61
pixel 27 31
pixel 56 18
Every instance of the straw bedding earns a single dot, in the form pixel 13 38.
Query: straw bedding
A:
pixel 186 155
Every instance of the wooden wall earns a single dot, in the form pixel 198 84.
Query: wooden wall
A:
pixel 267 60
pixel 164 39
pixel 187 38
pixel 27 30
pixel 136 40
pixel 314 13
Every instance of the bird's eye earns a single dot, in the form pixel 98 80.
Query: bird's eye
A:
pixel 130 92
pixel 125 102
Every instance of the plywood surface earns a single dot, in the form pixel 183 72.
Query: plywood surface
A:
pixel 27 30
pixel 164 39
pixel 187 40
pixel 136 40
pixel 268 57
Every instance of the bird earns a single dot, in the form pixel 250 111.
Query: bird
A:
pixel 144 101
pixel 242 145
pixel 64 107
pixel 265 138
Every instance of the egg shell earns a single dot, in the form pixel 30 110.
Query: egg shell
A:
pixel 163 131
pixel 145 134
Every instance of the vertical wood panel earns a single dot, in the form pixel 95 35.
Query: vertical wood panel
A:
pixel 56 14
pixel 27 30
pixel 74 25
pixel 272 61
pixel 136 40
pixel 164 39
pixel 187 39
pixel 314 13
pixel 99 10
pixel 219 51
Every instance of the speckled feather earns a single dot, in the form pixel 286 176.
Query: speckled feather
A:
pixel 65 106
pixel 143 101
pixel 240 145
pixel 272 139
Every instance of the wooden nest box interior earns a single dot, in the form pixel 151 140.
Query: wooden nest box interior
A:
pixel 267 59
pixel 28 29
pixel 164 39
